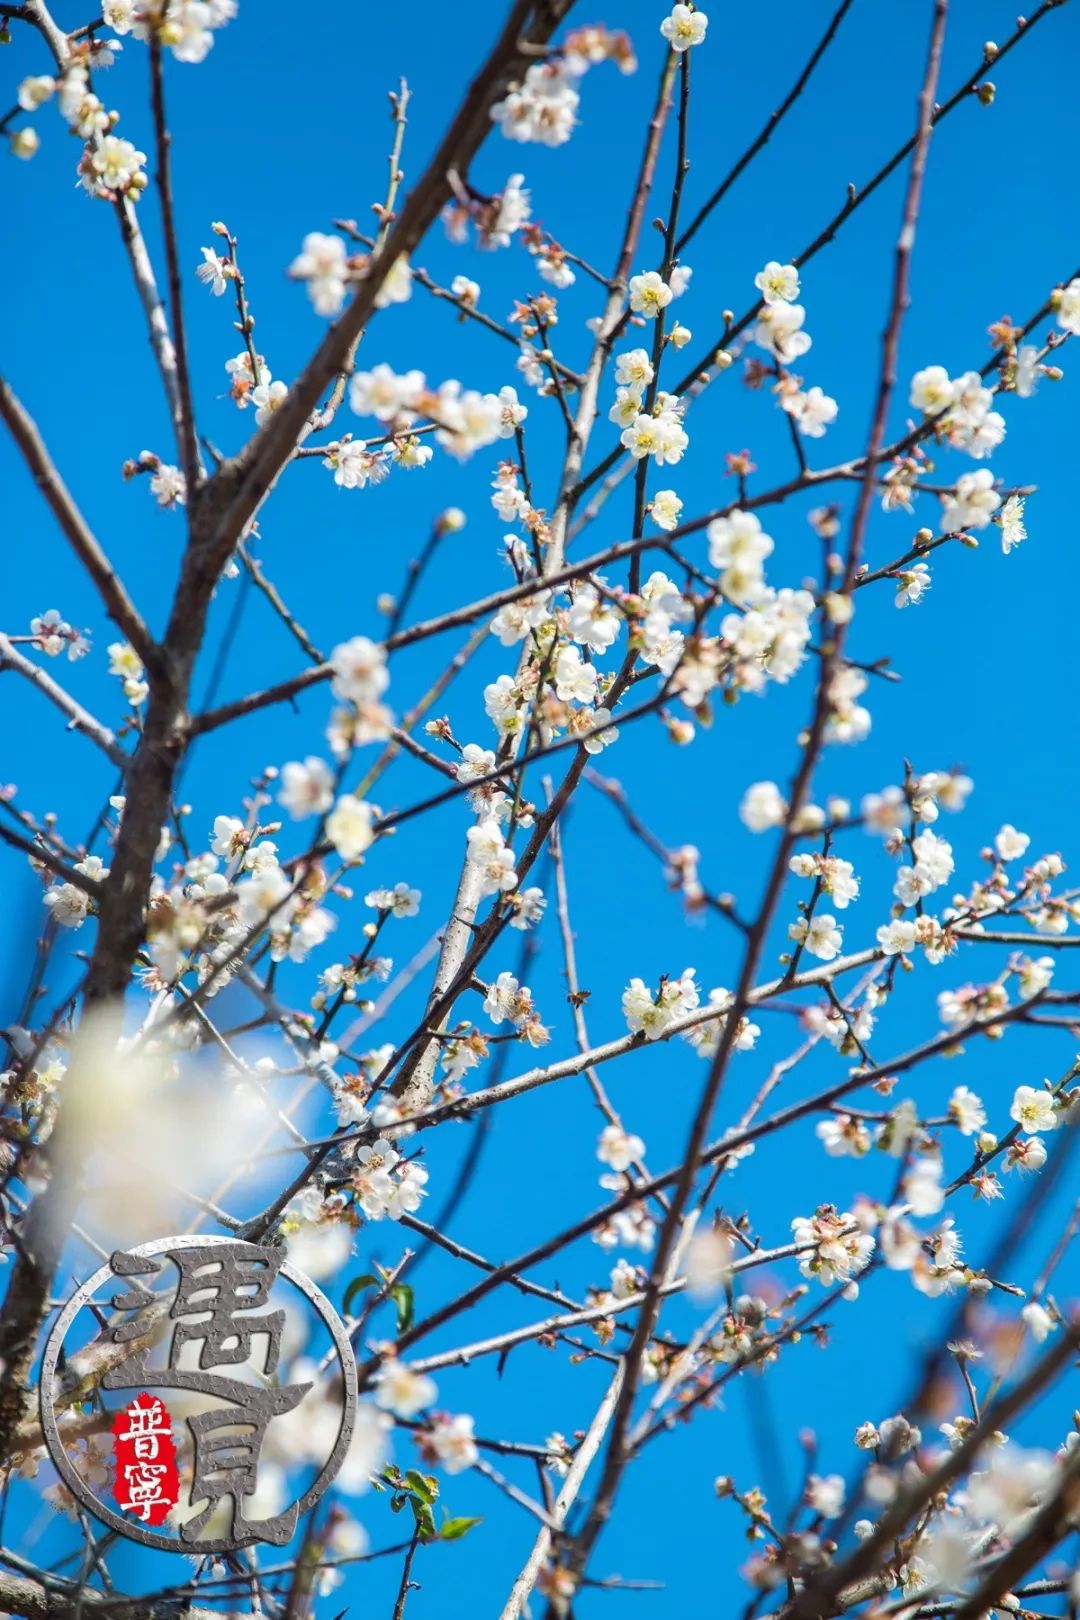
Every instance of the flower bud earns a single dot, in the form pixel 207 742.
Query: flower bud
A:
pixel 681 732
pixel 25 142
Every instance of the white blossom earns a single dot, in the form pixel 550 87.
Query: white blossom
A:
pixel 763 806
pixel 966 1109
pixel 400 1390
pixel 896 937
pixel 778 283
pixel 489 852
pixel 1011 518
pixel 826 1495
pixel 820 937
pixel 634 371
pixel 912 585
pixel 349 827
pixel 664 508
pixel 359 670
pixel 813 410
pixel 512 209
pixel 400 901
pixel 114 168
pixel 543 108
pixel 322 264
pixel 834 1246
pixel 1011 845
pixel 973 502
pixel 34 91
pixel 397 285
pixel 215 272
pixel 738 547
pixel 649 294
pixel 932 392
pixel 307 788
pixel 780 330
pixel 619 1148
pixel 1038 1321
pixel 1034 1111
pixel 653 1015
pixel 450 1442
pixel 708 1263
pixel 268 398
pixel 684 27
pixel 1068 312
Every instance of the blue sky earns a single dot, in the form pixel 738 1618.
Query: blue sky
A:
pixel 282 129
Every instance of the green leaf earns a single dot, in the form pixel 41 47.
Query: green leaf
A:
pixel 425 1486
pixel 425 1520
pixel 454 1529
pixel 356 1287
pixel 402 1296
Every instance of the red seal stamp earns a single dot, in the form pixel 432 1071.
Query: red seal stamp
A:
pixel 146 1483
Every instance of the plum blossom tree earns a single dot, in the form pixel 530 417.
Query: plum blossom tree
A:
pixel 211 941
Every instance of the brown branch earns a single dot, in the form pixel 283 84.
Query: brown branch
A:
pixel 859 195
pixel 241 484
pixel 279 605
pixel 573 990
pixel 37 852
pixel 62 1600
pixel 400 105
pixel 285 690
pixel 769 129
pixel 216 520
pixel 463 307
pixel 568 1493
pixel 118 604
pixel 855 469
pixel 79 719
pixel 818 1597
pixel 37 13
pixel 855 198
pixel 1055 1520
pixel 406 1585
pixel 187 434
pixel 619 1451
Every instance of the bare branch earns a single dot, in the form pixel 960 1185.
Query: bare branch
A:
pixel 188 444
pixel 118 604
pixel 79 719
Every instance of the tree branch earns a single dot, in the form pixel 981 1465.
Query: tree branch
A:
pixel 79 719
pixel 118 604
pixel 187 433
